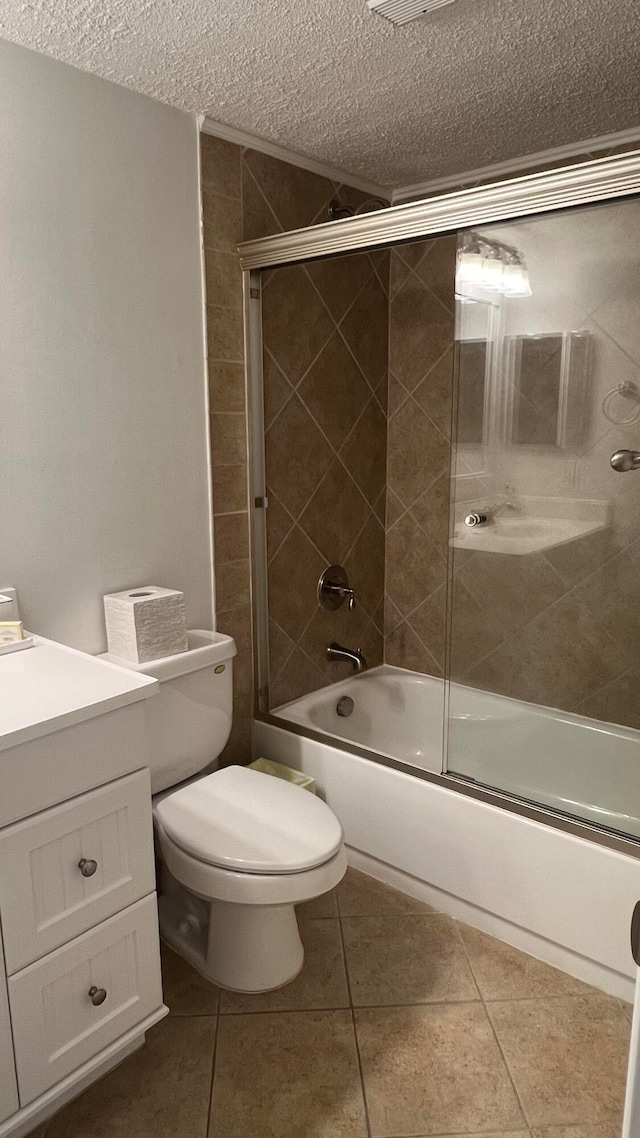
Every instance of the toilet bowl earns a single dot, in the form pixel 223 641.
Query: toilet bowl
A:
pixel 250 847
pixel 238 849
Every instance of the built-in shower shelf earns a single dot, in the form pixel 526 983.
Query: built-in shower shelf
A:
pixel 525 530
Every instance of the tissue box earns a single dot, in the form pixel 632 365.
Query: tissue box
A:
pixel 145 624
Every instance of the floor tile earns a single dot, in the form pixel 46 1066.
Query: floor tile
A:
pixel 321 984
pixel 505 973
pixel 293 1075
pixel 600 1130
pixel 161 1091
pixel 567 1057
pixel 502 1134
pixel 434 1070
pixel 362 896
pixel 406 959
pixel 324 906
pixel 186 992
pixel 627 1009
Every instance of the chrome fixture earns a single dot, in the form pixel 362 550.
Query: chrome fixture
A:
pixel 345 706
pixel 492 266
pixel 476 519
pixel 337 652
pixel 334 589
pixel 624 460
pixel 338 210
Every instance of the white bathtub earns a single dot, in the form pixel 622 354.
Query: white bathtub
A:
pixel 568 762
pixel 556 894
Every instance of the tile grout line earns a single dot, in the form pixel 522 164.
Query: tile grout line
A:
pixel 353 1019
pixel 495 1036
pixel 210 1128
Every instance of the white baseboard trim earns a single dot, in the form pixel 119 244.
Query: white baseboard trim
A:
pixel 590 971
pixel 254 142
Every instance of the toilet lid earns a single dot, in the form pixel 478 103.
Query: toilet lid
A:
pixel 245 820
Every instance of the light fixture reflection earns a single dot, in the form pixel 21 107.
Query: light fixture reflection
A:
pixel 492 267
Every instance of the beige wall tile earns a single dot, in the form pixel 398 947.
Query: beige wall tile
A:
pixel 220 166
pixel 231 538
pixel 226 386
pixel 232 585
pixel 230 489
pixel 228 439
pixel 222 221
pixel 225 336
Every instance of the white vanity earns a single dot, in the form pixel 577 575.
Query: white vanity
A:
pixel 80 975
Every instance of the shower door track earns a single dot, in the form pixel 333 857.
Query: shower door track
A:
pixel 549 816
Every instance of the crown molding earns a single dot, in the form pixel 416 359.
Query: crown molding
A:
pixel 579 184
pixel 515 165
pixel 254 142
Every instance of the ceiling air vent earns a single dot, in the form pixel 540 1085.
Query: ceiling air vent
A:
pixel 402 11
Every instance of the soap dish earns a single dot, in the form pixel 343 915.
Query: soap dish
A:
pixel 17 646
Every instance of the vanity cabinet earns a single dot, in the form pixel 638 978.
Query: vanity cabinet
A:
pixel 8 1087
pixel 80 979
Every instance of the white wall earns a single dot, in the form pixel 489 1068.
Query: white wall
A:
pixel 103 447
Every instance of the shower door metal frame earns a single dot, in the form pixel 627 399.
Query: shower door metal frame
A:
pixel 587 183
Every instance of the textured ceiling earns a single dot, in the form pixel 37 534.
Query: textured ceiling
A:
pixel 477 82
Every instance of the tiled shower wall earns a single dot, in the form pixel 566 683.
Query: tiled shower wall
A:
pixel 325 373
pixel 421 368
pixel 245 195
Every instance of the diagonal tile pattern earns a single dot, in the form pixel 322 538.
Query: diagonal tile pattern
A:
pixel 402 1023
pixel 325 345
pixel 421 336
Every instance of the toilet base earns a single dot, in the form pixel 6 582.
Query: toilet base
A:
pixel 253 948
pixel 245 948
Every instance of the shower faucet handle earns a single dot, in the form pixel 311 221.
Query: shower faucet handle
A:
pixel 334 589
pixel 624 460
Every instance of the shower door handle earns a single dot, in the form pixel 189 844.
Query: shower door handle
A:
pixel 635 934
pixel 624 460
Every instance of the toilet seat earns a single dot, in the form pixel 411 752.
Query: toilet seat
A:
pixel 244 821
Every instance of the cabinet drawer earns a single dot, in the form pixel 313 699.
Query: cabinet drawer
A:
pixel 67 869
pixel 56 1024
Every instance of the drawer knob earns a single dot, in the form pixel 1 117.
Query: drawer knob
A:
pixel 87 866
pixel 98 995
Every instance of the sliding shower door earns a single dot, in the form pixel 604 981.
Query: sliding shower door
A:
pixel 544 585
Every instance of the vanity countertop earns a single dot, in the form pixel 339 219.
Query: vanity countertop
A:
pixel 49 686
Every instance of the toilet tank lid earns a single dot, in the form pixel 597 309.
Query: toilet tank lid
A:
pixel 251 822
pixel 206 649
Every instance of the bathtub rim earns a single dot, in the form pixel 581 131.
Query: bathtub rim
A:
pixel 536 812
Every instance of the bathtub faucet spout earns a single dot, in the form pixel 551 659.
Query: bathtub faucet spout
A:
pixel 337 652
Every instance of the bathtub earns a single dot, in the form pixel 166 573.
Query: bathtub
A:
pixel 568 762
pixel 548 890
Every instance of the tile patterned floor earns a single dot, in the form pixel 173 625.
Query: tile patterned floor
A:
pixel 402 1024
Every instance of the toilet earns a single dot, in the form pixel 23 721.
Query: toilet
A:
pixel 239 849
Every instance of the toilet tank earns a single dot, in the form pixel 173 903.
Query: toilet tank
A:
pixel 189 721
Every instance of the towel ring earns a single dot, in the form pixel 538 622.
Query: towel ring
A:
pixel 628 391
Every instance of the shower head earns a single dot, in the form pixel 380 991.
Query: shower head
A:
pixel 338 210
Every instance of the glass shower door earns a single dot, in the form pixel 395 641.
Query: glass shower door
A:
pixel 544 558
